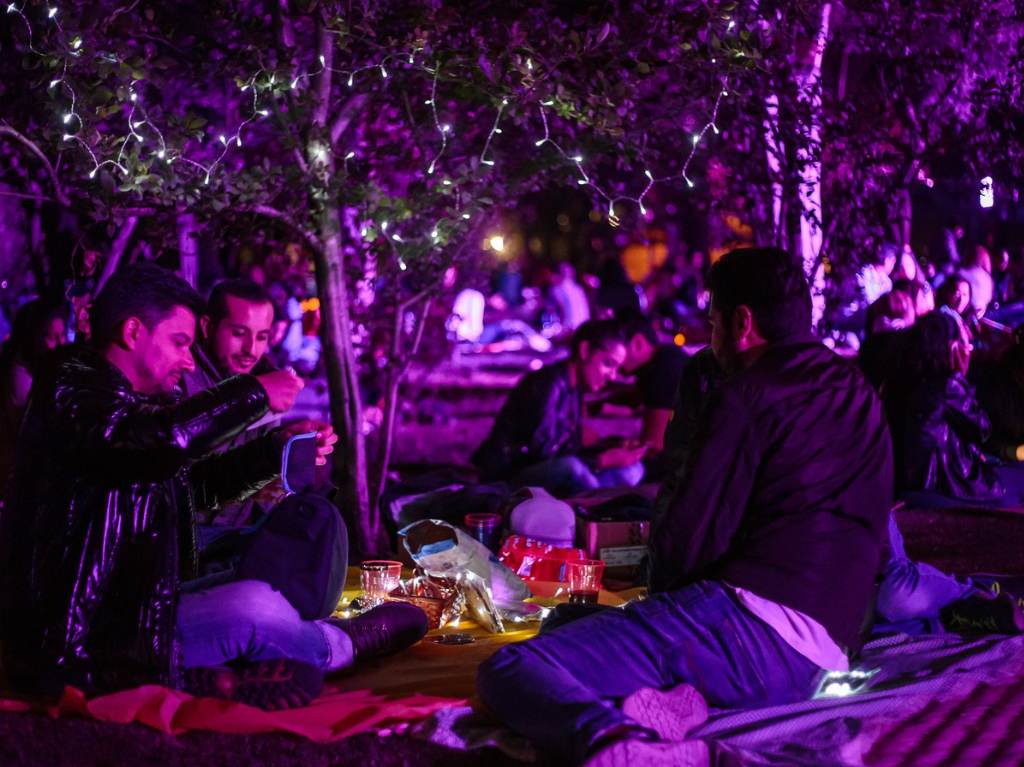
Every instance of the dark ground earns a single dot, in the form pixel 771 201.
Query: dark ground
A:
pixel 28 740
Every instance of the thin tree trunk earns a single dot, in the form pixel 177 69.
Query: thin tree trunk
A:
pixel 117 250
pixel 396 373
pixel 188 247
pixel 809 160
pixel 367 534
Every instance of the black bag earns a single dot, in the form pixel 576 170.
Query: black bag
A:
pixel 302 551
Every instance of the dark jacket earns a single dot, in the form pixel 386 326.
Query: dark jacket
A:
pixel 938 431
pixel 541 419
pixel 206 376
pixel 785 490
pixel 101 529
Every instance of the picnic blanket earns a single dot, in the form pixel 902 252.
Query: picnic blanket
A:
pixel 381 694
pixel 934 700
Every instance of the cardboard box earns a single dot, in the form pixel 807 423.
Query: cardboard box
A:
pixel 621 545
pixel 593 536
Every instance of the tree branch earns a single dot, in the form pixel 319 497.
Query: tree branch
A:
pixel 279 215
pixel 343 118
pixel 6 130
pixel 117 250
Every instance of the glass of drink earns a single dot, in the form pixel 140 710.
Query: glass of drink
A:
pixel 486 528
pixel 378 577
pixel 584 576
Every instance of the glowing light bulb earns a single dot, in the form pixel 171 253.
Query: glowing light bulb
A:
pixel 435 234
pixel 402 265
pixel 238 141
pixel 54 83
pixel 133 97
pixel 689 183
pixel 714 128
pixel 529 62
pixel 294 84
pixel 262 112
pixel 350 155
pixel 384 226
pixel 539 143
pixel 12 8
pixel 547 103
pixel 487 162
pixel 223 139
pixel 497 243
pixel 323 61
pixel 396 237
pixel 68 137
pixel 351 79
pixel 696 138
pixel 92 173
pixel 649 175
pixel 51 13
pixel 67 117
pixel 731 25
pixel 578 158
pixel 446 129
pixel 161 154
pixel 76 43
pixel 465 216
pixel 383 72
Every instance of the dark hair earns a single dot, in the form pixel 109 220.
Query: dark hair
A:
pixel 888 311
pixel 944 294
pixel 926 351
pixel 602 334
pixel 633 323
pixel 913 288
pixel 30 324
pixel 146 291
pixel 770 282
pixel 247 290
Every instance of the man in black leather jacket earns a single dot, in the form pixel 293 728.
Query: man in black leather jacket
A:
pixel 101 530
pixel 537 438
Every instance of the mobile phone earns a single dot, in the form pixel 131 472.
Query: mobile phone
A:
pixel 298 463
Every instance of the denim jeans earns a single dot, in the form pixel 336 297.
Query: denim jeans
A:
pixel 249 621
pixel 568 475
pixel 915 590
pixel 562 689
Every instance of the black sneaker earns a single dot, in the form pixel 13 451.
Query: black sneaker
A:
pixel 984 614
pixel 384 630
pixel 270 684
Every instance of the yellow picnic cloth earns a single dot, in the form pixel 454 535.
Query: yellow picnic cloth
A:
pixel 450 670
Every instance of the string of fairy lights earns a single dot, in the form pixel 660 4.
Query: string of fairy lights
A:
pixel 146 133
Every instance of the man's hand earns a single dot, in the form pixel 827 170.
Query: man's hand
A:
pixel 620 457
pixel 282 387
pixel 325 437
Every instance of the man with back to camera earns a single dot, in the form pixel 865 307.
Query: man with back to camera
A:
pixel 101 532
pixel 764 551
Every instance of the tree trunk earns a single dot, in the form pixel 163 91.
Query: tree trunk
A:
pixel 397 369
pixel 188 247
pixel 117 250
pixel 366 533
pixel 809 160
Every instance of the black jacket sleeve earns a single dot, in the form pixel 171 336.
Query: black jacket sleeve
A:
pixel 114 434
pixel 235 474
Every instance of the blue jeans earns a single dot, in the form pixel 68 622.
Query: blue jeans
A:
pixel 568 475
pixel 562 688
pixel 915 590
pixel 249 621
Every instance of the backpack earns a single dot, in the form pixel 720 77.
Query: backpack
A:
pixel 301 550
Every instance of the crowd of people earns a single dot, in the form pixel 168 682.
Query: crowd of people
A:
pixel 144 502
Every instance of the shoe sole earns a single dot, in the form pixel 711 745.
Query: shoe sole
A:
pixel 670 713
